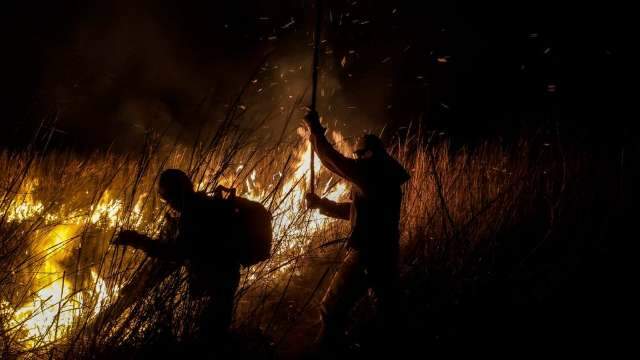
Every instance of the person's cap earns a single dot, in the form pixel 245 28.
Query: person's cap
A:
pixel 368 142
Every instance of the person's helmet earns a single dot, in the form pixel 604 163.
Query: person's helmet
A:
pixel 174 185
pixel 369 142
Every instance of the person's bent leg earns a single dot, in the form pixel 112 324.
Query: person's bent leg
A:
pixel 382 271
pixel 347 286
pixel 217 317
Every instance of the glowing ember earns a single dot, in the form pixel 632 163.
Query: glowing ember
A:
pixel 107 211
pixel 23 206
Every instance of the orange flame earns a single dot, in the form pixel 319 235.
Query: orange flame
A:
pixel 54 305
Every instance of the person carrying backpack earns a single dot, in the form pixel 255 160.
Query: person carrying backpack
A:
pixel 206 242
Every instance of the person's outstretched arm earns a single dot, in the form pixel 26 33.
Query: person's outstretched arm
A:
pixel 332 159
pixel 154 248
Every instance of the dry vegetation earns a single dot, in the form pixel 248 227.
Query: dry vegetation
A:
pixel 66 292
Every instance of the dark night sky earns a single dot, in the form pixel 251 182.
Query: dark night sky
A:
pixel 474 69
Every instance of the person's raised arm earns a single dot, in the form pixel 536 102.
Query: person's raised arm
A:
pixel 332 159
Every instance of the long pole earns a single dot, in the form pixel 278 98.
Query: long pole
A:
pixel 314 88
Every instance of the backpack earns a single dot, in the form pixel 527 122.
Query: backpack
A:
pixel 251 227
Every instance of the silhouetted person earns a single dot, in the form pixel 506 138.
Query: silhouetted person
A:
pixel 374 212
pixel 203 242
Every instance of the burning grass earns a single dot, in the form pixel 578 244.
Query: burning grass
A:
pixel 66 292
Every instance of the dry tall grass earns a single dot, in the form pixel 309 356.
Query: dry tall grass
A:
pixel 58 212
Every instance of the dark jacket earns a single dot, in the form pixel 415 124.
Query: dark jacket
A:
pixel 376 195
pixel 202 241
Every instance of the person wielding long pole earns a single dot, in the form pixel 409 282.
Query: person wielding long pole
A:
pixel 314 88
